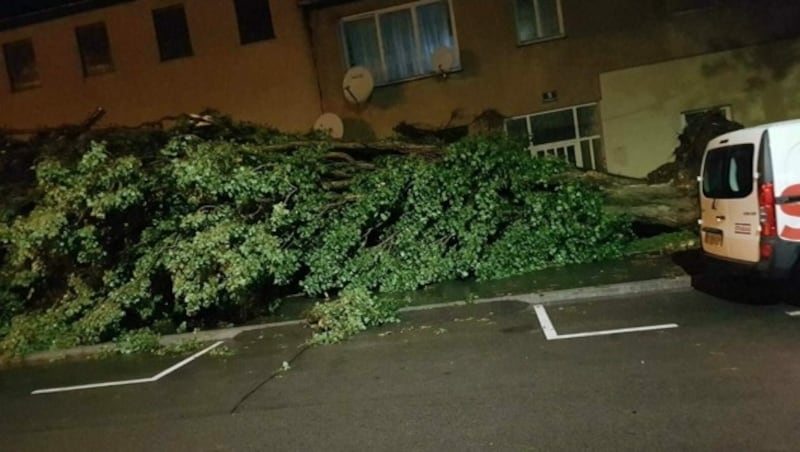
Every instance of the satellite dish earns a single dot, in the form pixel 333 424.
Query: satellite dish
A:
pixel 443 61
pixel 358 85
pixel 330 123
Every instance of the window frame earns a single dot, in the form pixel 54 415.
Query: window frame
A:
pixel 174 6
pixel 15 86
pixel 376 13
pixel 726 108
pixel 727 153
pixel 272 35
pixel 562 32
pixel 87 72
pixel 597 155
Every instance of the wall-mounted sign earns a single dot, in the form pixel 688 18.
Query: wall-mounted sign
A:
pixel 549 96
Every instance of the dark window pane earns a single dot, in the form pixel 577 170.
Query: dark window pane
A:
pixel 548 17
pixel 94 49
pixel 399 48
pixel 434 31
pixel 586 155
pixel 21 65
pixel 571 155
pixel 553 127
pixel 588 122
pixel 728 172
pixel 361 39
pixel 517 128
pixel 172 32
pixel 254 20
pixel 526 20
pixel 537 19
pixel 599 158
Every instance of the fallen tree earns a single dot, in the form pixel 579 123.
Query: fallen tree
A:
pixel 211 220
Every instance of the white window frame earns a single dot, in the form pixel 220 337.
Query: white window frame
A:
pixel 552 149
pixel 725 109
pixel 375 14
pixel 560 35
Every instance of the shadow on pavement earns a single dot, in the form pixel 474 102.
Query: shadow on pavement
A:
pixel 737 286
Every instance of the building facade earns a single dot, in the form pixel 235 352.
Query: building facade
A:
pixel 145 59
pixel 604 84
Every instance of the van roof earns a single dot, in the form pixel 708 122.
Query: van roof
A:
pixel 751 133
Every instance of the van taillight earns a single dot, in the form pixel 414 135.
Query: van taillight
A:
pixel 766 207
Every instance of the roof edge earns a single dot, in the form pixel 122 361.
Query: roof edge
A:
pixel 57 12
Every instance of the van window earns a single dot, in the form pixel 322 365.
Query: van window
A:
pixel 728 172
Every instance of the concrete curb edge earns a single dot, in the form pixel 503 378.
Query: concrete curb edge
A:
pixel 564 296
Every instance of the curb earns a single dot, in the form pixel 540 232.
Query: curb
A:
pixel 577 295
pixel 172 339
pixel 555 297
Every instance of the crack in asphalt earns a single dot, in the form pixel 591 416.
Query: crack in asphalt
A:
pixel 261 384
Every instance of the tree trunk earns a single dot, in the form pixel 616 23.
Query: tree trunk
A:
pixel 668 204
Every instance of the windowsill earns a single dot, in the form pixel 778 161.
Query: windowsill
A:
pixel 169 60
pixel 26 87
pixel 257 42
pixel 541 41
pixel 99 71
pixel 98 74
pixel 415 78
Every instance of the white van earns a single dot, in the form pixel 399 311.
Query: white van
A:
pixel 750 198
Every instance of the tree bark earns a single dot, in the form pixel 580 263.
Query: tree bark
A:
pixel 668 204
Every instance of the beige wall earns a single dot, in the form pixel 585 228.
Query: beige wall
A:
pixel 641 107
pixel 269 82
pixel 497 73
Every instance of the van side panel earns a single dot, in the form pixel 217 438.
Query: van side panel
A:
pixel 785 150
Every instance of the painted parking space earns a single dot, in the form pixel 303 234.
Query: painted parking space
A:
pixel 207 384
pixel 551 334
pixel 688 309
pixel 108 384
pixel 481 372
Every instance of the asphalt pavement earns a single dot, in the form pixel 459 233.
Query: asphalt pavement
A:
pixel 475 377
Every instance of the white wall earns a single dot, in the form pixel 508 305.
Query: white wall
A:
pixel 641 107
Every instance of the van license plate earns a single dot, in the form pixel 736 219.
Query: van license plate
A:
pixel 713 238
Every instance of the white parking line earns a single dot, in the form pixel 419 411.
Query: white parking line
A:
pixel 544 320
pixel 137 381
pixel 793 313
pixel 551 334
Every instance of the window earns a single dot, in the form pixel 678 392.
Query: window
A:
pixel 94 49
pixel 254 20
pixel 21 65
pixel 398 43
pixel 572 134
pixel 538 20
pixel 728 172
pixel 688 117
pixel 172 33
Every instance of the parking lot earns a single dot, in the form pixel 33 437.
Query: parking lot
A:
pixel 680 370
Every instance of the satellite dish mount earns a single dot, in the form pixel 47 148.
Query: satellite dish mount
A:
pixel 443 61
pixel 357 85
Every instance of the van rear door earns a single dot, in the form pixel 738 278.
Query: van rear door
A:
pixel 729 199
pixel 784 143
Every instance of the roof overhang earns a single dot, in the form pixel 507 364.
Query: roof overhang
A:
pixel 36 11
pixel 317 4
